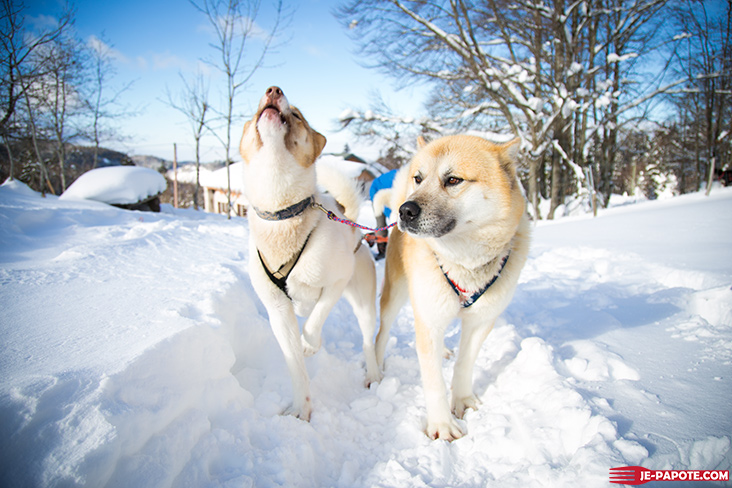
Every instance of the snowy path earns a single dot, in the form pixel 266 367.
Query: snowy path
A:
pixel 134 352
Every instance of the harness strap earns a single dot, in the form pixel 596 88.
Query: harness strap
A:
pixel 279 277
pixel 332 216
pixel 466 299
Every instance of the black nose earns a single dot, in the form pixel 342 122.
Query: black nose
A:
pixel 274 92
pixel 409 212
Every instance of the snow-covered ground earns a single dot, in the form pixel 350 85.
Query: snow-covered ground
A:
pixel 134 353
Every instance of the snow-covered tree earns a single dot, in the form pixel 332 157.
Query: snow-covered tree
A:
pixel 560 74
pixel 704 59
pixel 54 91
pixel 20 49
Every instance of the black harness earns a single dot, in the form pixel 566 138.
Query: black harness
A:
pixel 279 277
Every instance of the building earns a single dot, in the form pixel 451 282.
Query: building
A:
pixel 215 186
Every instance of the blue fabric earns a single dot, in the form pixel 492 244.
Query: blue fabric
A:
pixel 381 183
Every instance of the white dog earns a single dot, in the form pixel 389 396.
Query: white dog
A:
pixel 300 261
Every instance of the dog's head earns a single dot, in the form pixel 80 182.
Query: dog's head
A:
pixel 461 184
pixel 278 125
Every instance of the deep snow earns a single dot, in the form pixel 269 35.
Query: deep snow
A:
pixel 117 185
pixel 134 353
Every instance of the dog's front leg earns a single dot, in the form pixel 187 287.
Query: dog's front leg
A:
pixel 430 345
pixel 287 332
pixel 395 293
pixel 311 331
pixel 474 330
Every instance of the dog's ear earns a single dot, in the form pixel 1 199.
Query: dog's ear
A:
pixel 508 152
pixel 319 141
pixel 421 142
pixel 508 157
pixel 249 141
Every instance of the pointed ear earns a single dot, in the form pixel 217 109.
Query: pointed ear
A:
pixel 508 157
pixel 510 150
pixel 421 142
pixel 319 142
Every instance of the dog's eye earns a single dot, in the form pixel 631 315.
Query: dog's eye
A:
pixel 417 179
pixel 296 115
pixel 453 180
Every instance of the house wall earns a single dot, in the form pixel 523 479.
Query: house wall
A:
pixel 215 202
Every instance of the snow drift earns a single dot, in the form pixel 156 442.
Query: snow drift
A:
pixel 136 354
pixel 116 185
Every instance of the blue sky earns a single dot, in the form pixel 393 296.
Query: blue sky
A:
pixel 155 40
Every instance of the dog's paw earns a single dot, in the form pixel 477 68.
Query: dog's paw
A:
pixel 301 412
pixel 309 346
pixel 372 378
pixel 449 430
pixel 460 405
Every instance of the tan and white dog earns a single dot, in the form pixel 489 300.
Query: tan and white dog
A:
pixel 462 239
pixel 300 263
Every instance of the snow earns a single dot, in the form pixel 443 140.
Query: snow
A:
pixel 135 353
pixel 220 178
pixel 116 184
pixel 614 58
pixel 348 114
pixel 187 173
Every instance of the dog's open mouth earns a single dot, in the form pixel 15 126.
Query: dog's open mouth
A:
pixel 273 110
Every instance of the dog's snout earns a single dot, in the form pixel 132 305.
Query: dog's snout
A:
pixel 274 93
pixel 409 212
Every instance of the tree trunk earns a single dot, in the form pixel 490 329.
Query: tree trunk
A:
pixel 534 185
pixel 10 157
pixel 555 184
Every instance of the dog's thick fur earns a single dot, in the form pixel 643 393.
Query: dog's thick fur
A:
pixel 279 150
pixel 461 211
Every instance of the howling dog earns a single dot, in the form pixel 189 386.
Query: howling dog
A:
pixel 462 239
pixel 300 262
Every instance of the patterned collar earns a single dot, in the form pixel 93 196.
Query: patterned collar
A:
pixel 287 213
pixel 465 297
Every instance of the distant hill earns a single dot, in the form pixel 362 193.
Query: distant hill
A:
pixel 152 162
pixel 81 158
pixel 156 163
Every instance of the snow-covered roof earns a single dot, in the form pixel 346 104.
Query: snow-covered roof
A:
pixel 122 185
pixel 217 179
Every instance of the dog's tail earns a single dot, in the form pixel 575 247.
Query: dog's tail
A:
pixel 342 187
pixel 382 200
pixel 398 194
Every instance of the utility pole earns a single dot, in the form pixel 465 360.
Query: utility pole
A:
pixel 175 175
